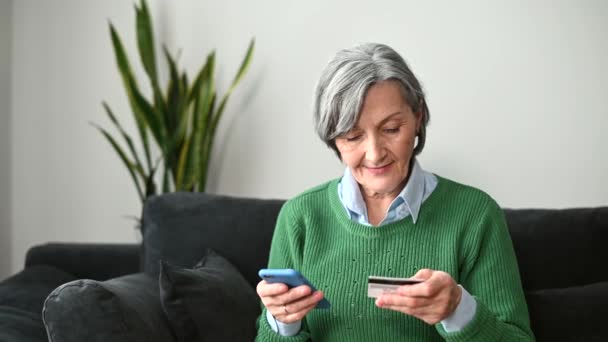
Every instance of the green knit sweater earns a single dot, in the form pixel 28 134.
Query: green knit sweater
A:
pixel 460 230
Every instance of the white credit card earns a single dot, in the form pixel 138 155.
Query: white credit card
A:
pixel 377 286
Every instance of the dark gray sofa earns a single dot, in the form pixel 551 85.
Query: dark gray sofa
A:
pixel 112 292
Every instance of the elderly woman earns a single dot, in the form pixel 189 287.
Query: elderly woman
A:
pixel 387 216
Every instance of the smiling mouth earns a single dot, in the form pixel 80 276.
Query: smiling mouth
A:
pixel 378 170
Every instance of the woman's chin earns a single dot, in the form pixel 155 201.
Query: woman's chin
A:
pixel 382 188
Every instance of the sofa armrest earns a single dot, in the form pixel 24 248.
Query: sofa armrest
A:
pixel 87 260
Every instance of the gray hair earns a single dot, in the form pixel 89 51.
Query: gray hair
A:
pixel 345 80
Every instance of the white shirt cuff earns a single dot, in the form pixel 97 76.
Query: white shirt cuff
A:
pixel 464 313
pixel 283 329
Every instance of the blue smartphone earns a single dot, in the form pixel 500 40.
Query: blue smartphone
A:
pixel 291 278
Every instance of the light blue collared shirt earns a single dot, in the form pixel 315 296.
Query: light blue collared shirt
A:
pixel 419 187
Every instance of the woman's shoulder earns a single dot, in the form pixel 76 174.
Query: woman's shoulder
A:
pixel 317 195
pixel 465 194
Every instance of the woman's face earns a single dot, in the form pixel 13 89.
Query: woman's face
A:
pixel 379 149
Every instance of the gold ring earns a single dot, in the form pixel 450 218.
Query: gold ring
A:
pixel 285 309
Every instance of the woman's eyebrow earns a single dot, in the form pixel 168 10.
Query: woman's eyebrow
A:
pixel 388 118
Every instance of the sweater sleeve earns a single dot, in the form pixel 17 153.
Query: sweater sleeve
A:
pixel 285 252
pixel 490 273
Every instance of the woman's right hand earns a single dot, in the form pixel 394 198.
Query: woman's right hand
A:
pixel 287 305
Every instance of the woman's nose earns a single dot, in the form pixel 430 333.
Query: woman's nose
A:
pixel 375 151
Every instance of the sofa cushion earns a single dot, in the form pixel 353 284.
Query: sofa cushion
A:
pixel 211 302
pixel 121 309
pixel 28 289
pixel 569 314
pixel 20 325
pixel 179 227
pixel 559 248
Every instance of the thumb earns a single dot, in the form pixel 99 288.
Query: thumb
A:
pixel 423 274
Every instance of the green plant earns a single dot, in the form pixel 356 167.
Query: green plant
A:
pixel 182 120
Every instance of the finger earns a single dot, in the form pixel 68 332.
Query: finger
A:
pixel 423 273
pixel 287 307
pixel 426 289
pixel 403 309
pixel 431 287
pixel 423 314
pixel 427 313
pixel 403 301
pixel 265 289
pixel 304 302
pixel 288 297
pixel 420 289
pixel 295 310
pixel 295 316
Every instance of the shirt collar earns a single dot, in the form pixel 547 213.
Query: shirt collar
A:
pixel 413 191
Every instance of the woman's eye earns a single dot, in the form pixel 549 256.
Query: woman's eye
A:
pixel 353 138
pixel 391 130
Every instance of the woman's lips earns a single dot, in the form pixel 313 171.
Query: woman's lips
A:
pixel 377 171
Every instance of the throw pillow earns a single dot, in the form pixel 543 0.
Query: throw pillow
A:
pixel 124 309
pixel 211 302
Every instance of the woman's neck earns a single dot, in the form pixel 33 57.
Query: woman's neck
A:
pixel 377 208
pixel 378 203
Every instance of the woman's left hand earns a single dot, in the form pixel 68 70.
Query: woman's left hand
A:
pixel 432 300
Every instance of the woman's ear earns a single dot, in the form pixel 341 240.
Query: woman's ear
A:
pixel 420 116
pixel 419 120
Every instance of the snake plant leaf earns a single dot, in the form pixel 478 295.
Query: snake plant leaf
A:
pixel 203 73
pixel 174 92
pixel 190 158
pixel 237 79
pixel 152 120
pixel 200 113
pixel 130 85
pixel 206 93
pixel 183 91
pixel 150 184
pixel 174 113
pixel 147 53
pixel 207 100
pixel 138 165
pixel 244 65
pixel 145 41
pixel 176 101
pixel 185 83
pixel 206 150
pixel 218 114
pixel 128 163
pixel 181 166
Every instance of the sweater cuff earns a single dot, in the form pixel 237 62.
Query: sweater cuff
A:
pixel 481 328
pixel 464 313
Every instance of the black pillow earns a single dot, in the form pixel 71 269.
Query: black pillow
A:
pixel 211 302
pixel 569 314
pixel 124 309
pixel 20 325
pixel 28 289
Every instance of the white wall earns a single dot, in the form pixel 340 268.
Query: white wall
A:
pixel 5 141
pixel 516 90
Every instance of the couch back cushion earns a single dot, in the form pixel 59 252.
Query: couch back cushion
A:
pixel 555 248
pixel 179 228
pixel 558 248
